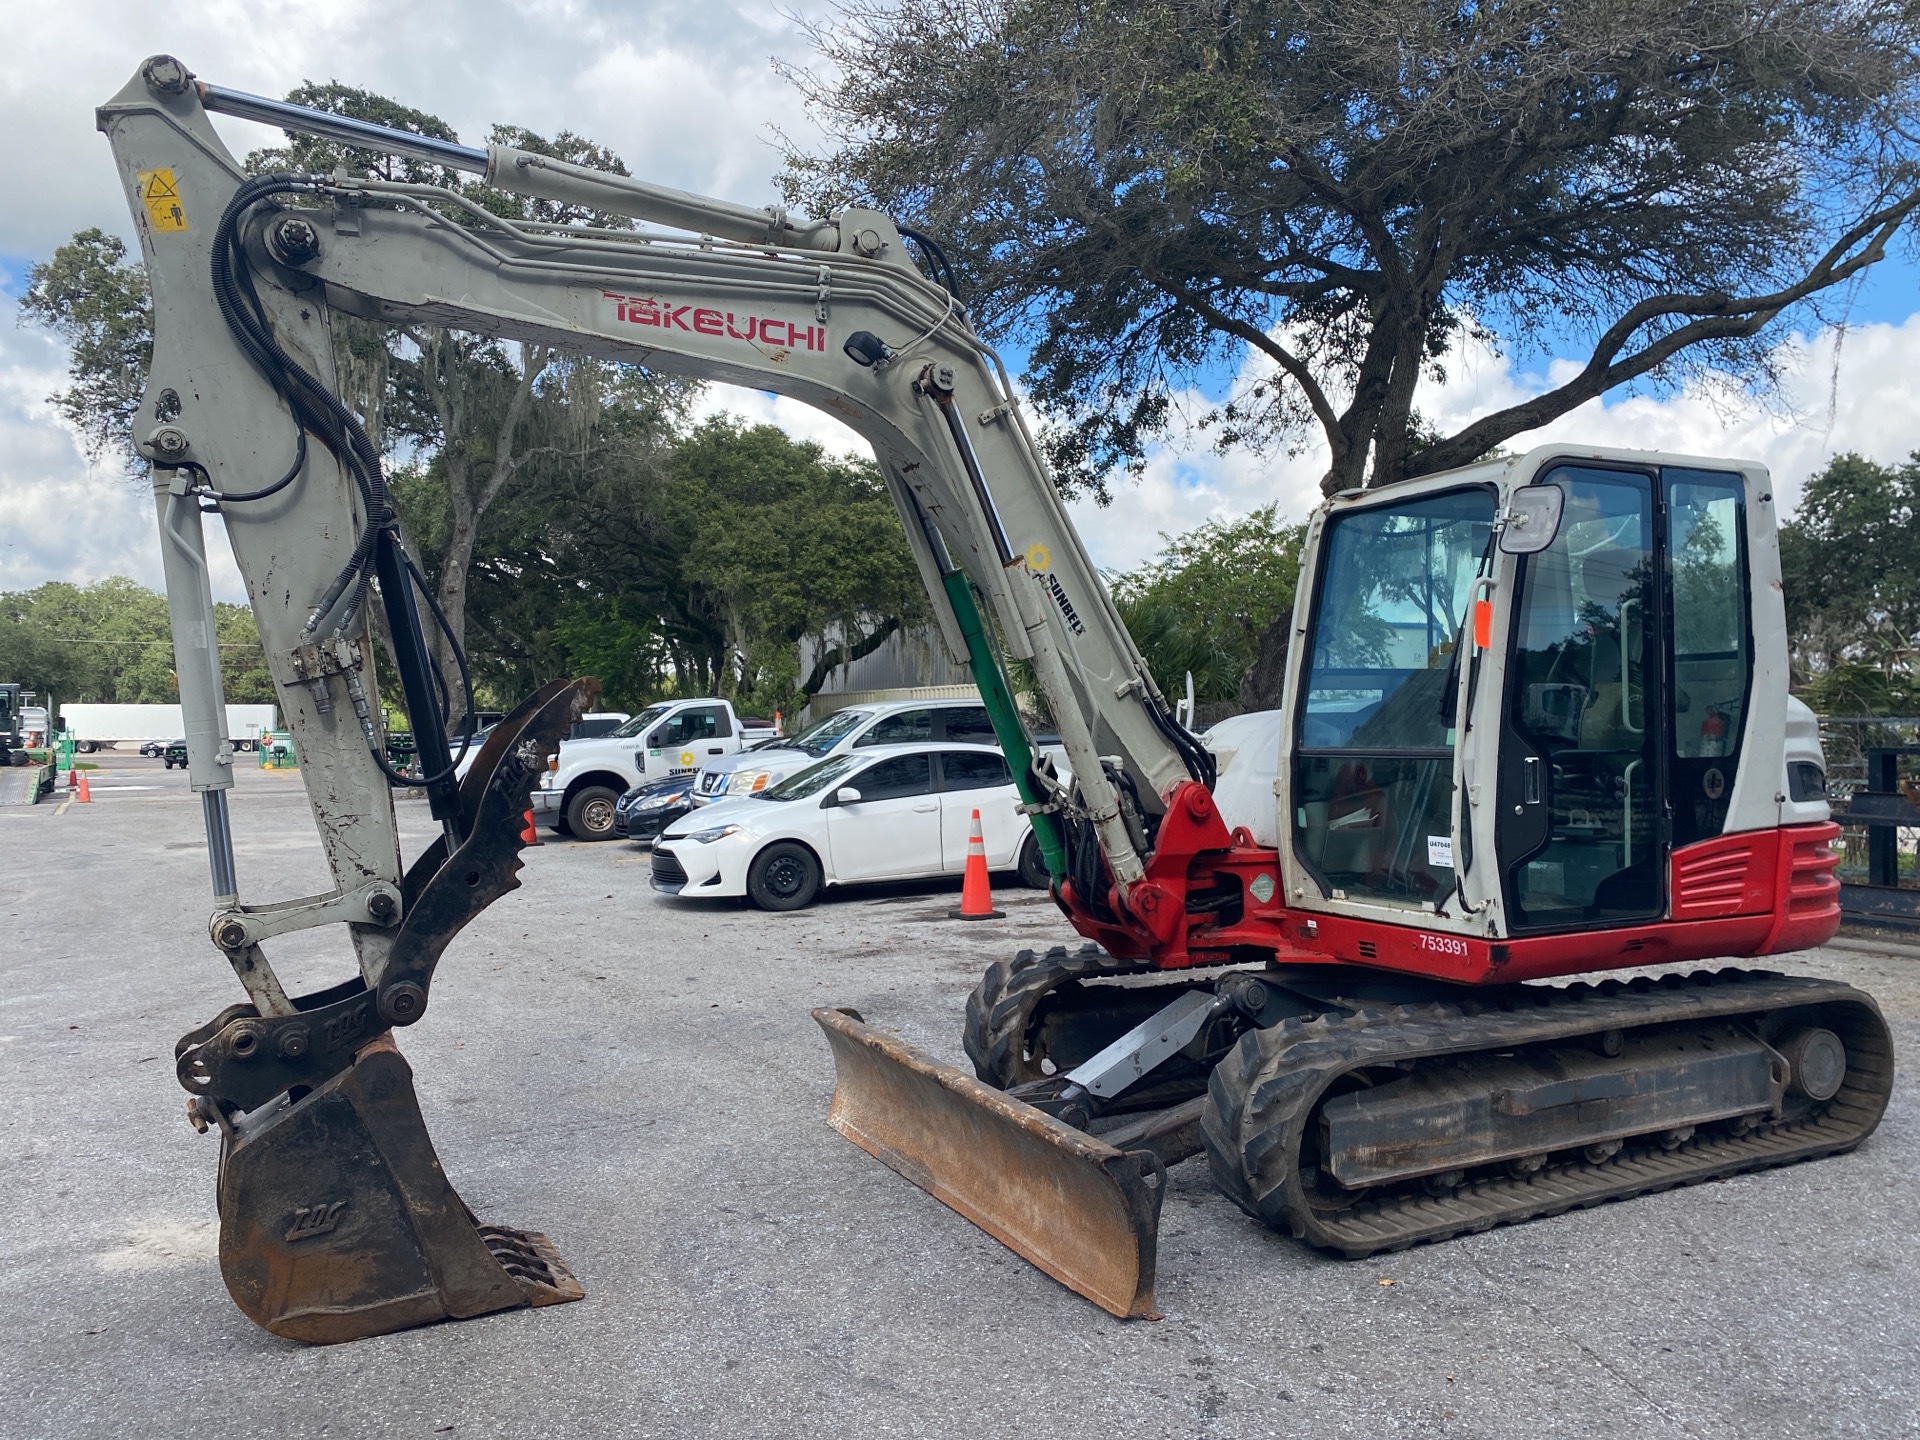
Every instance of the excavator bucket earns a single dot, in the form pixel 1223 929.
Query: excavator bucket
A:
pixel 1083 1211
pixel 337 1222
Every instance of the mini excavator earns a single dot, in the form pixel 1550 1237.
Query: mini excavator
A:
pixel 1536 725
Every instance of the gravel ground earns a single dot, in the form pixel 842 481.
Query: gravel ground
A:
pixel 640 1080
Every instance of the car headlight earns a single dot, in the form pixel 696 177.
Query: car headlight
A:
pixel 707 837
pixel 750 782
pixel 660 802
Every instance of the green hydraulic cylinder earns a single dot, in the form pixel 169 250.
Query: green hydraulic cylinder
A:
pixel 1012 734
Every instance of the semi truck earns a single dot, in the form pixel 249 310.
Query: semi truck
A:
pixel 101 727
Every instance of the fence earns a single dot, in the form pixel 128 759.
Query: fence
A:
pixel 1873 780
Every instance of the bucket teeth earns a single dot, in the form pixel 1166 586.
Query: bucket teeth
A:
pixel 337 1221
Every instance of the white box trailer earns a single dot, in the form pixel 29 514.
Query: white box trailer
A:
pixel 100 727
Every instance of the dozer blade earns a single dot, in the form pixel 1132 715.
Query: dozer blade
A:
pixel 1084 1212
pixel 337 1222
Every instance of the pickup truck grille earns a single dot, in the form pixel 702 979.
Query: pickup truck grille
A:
pixel 668 872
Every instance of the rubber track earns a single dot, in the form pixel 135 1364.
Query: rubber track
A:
pixel 1262 1096
pixel 1001 1007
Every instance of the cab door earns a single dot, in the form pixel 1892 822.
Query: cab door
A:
pixel 1582 832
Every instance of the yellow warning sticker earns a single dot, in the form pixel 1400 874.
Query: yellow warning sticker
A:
pixel 160 193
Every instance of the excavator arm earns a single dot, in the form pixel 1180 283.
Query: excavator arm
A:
pixel 242 417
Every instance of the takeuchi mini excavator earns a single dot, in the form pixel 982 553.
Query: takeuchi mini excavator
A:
pixel 1536 725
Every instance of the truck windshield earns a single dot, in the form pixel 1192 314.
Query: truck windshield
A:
pixel 1373 774
pixel 638 725
pixel 819 739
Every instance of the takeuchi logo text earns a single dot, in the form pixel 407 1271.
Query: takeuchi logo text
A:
pixel 698 320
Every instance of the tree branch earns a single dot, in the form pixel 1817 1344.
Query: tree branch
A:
pixel 1717 317
pixel 1266 345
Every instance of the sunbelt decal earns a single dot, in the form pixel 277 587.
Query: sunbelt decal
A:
pixel 723 324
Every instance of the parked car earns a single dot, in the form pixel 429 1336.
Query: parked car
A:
pixel 892 722
pixel 884 812
pixel 587 778
pixel 645 810
pixel 153 748
pixel 174 754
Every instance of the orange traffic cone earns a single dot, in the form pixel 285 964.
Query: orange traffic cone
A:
pixel 976 895
pixel 528 834
pixel 85 797
pixel 73 779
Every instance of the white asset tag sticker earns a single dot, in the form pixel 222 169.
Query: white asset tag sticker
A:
pixel 1440 851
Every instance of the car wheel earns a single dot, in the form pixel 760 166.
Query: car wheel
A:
pixel 1033 865
pixel 590 813
pixel 783 877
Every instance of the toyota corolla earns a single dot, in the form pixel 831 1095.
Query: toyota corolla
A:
pixel 891 812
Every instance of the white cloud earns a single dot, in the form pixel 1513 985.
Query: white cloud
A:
pixel 685 92
pixel 61 519
pixel 798 419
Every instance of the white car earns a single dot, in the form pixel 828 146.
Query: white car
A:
pixel 887 812
pixel 860 727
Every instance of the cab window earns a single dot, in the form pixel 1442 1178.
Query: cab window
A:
pixel 1373 768
pixel 1712 651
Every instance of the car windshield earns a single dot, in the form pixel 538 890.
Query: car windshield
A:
pixel 818 739
pixel 640 722
pixel 813 779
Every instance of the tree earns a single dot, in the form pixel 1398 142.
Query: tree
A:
pixel 1850 559
pixel 783 542
pixel 476 407
pixel 1147 190
pixel 111 641
pixel 1203 605
pixel 691 563
pixel 94 298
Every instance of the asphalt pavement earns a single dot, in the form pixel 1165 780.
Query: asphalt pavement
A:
pixel 639 1079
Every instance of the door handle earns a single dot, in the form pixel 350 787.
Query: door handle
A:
pixel 925 809
pixel 715 750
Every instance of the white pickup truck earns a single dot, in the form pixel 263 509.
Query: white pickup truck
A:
pixel 584 780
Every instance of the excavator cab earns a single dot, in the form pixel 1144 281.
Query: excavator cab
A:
pixel 1564 647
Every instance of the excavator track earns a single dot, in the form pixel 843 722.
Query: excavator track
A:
pixel 1003 1034
pixel 1266 1118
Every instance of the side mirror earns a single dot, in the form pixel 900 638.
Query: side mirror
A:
pixel 1533 519
pixel 658 739
pixel 846 795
